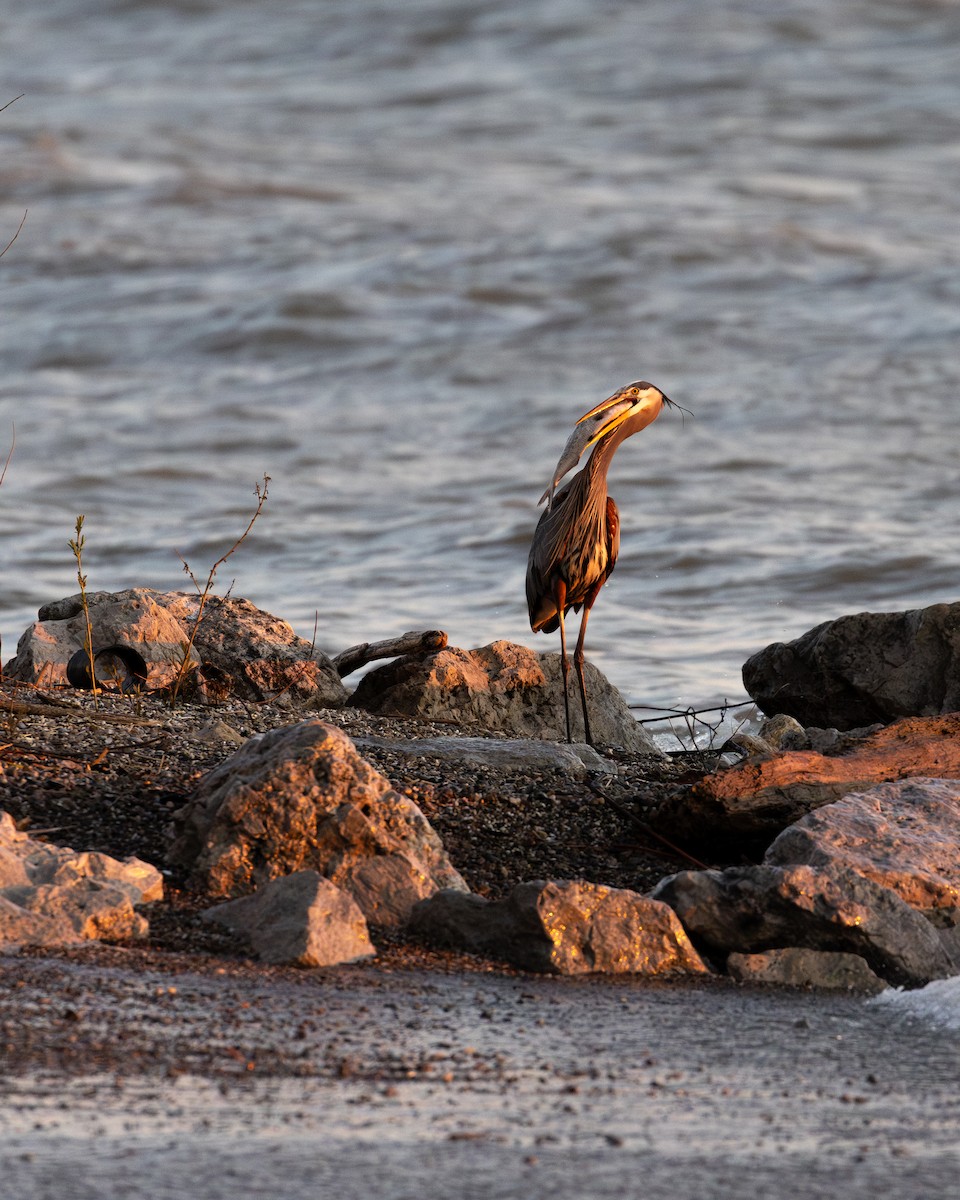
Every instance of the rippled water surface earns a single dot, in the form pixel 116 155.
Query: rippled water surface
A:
pixel 388 254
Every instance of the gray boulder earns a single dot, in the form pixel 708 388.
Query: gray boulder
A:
pixel 904 835
pixel 499 754
pixel 302 797
pixel 503 687
pixel 569 928
pixel 54 896
pixel 863 668
pixel 302 920
pixel 757 908
pixel 240 650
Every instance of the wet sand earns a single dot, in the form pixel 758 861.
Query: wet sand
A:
pixel 125 1079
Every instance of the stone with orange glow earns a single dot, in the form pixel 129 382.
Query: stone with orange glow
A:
pixel 241 650
pixel 756 799
pixel 53 896
pixel 504 687
pixel 903 835
pixel 564 928
pixel 301 797
pixel 757 908
pixel 302 920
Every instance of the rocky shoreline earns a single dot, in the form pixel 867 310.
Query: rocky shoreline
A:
pixel 780 856
pixel 111 779
pixel 297 826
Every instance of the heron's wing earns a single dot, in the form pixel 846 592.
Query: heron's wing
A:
pixel 569 543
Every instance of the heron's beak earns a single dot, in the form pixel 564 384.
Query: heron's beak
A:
pixel 601 421
pixel 609 414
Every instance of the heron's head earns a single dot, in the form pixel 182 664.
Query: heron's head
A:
pixel 637 404
pixel 631 408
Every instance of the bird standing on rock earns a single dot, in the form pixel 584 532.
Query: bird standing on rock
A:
pixel 577 539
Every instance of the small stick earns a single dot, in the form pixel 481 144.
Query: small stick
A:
pixel 625 812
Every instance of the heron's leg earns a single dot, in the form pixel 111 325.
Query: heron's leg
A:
pixel 561 598
pixel 578 659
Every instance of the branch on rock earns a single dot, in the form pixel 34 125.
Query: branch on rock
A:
pixel 352 659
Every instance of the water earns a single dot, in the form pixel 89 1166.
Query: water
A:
pixel 937 1005
pixel 388 254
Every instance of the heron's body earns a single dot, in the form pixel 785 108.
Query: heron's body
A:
pixel 581 564
pixel 577 539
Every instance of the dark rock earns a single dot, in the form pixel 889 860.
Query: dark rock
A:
pixel 757 908
pixel 570 928
pixel 301 919
pixel 744 807
pixel 796 967
pixel 503 687
pixel 863 668
pixel 240 650
pixel 301 797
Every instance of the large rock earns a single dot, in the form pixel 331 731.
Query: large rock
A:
pixel 241 651
pixel 569 928
pixel 863 668
pixel 747 805
pixel 758 908
pixel 302 920
pixel 53 896
pixel 302 797
pixel 904 835
pixel 503 687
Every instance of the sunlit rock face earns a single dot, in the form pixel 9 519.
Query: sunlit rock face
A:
pixel 302 797
pixel 504 687
pixel 747 805
pixel 301 920
pixel 236 649
pixel 904 835
pixel 565 928
pixel 756 908
pixel 53 896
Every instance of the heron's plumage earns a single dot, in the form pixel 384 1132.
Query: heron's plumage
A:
pixel 577 539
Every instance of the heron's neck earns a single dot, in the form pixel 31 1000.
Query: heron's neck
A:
pixel 599 462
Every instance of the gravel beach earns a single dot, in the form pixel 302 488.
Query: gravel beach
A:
pixel 178 1067
pixel 111 778
pixel 157 1078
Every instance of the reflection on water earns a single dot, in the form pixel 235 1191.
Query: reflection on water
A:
pixel 388 256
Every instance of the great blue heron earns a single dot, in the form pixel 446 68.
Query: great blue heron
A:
pixel 577 539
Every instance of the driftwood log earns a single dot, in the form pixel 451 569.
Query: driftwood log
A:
pixel 428 642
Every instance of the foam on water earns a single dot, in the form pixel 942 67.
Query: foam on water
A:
pixel 937 1003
